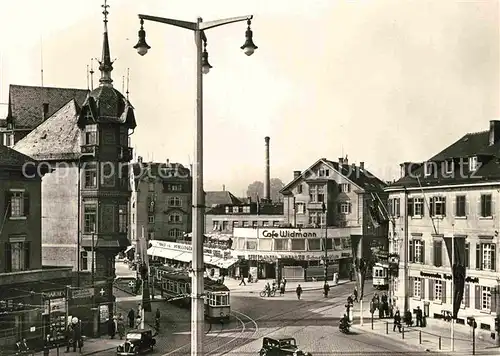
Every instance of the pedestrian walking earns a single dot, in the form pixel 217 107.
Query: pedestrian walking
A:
pixel 157 321
pixel 69 336
pixel 385 305
pixel 419 316
pixel 397 321
pixel 298 291
pixel 282 288
pixel 112 327
pixel 355 293
pixel 121 327
pixel 242 281
pixel 326 289
pixel 131 318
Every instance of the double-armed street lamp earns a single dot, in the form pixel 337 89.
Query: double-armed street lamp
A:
pixel 202 67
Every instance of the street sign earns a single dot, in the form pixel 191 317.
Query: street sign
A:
pixel 81 293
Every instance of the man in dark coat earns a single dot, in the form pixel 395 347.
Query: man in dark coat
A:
pixel 131 318
pixel 418 314
pixel 111 327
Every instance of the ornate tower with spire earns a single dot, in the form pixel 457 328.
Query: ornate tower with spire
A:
pixel 106 120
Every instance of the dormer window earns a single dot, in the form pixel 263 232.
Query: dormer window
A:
pixel 449 166
pixel 324 172
pixel 472 163
pixel 227 210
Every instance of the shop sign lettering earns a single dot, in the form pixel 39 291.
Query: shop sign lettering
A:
pixel 288 233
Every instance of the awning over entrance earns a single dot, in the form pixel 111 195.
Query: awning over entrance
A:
pixel 164 253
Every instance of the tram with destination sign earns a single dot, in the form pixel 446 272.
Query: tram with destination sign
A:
pixel 175 286
pixel 380 275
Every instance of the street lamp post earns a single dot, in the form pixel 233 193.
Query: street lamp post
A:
pixel 326 244
pixel 202 67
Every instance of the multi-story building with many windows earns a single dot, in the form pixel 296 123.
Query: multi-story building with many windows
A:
pixel 455 195
pixel 161 201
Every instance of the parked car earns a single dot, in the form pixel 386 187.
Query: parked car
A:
pixel 283 346
pixel 137 341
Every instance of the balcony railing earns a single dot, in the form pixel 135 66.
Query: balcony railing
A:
pixel 88 150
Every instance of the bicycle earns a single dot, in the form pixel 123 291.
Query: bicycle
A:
pixel 265 293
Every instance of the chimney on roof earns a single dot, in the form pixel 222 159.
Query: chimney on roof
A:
pixel 267 180
pixel 494 131
pixel 139 159
pixel 346 161
pixel 341 160
pixel 361 165
pixel 45 111
pixel 168 162
pixel 296 174
pixel 223 187
pixel 249 200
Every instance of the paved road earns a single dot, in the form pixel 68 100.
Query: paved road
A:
pixel 313 321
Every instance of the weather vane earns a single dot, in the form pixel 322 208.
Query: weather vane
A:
pixel 105 12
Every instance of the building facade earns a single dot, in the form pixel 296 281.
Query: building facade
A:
pixel 25 284
pixel 86 195
pixel 451 199
pixel 224 218
pixel 29 106
pixel 163 200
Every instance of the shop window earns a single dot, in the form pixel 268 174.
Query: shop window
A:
pixel 281 245
pixel 251 245
pixel 298 244
pixel 314 244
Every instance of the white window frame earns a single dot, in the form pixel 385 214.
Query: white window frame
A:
pixel 16 204
pixel 175 218
pixel 321 172
pixel 301 208
pixel 92 131
pixel 246 223
pixel 439 201
pixel 246 209
pixel 175 233
pixel 236 209
pixel 175 201
pixel 151 219
pixel 485 298
pixel 487 256
pixel 418 202
pixel 345 208
pixel 456 205
pixel 438 290
pixel 417 287
pixel 472 163
pixel 417 251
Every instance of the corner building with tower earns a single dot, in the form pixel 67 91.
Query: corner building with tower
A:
pixel 85 198
pixel 450 201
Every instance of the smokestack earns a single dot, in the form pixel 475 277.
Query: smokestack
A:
pixel 267 180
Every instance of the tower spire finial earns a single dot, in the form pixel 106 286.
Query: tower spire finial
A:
pixel 105 64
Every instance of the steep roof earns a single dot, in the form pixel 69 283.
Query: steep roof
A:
pixel 10 158
pixel 213 198
pixel 470 145
pixel 359 176
pixel 56 139
pixel 26 103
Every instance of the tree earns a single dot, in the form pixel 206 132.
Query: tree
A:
pixel 256 189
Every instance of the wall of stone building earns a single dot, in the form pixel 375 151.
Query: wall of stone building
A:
pixel 60 216
pixel 31 226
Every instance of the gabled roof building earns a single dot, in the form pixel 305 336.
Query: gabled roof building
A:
pixel 449 202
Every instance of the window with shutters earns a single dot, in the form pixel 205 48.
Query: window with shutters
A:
pixel 437 206
pixel 151 219
pixel 438 290
pixel 418 252
pixel 90 175
pixel 299 189
pixel 486 298
pixel 460 206
pixel 485 205
pixel 485 256
pixel 301 208
pixel 316 218
pixel 17 255
pixel 417 287
pixel 175 218
pixel 317 193
pixel 393 206
pixel 438 253
pixel 174 201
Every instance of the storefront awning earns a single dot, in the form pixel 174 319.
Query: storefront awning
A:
pixel 164 253
pixel 129 248
pixel 226 263
pixel 184 257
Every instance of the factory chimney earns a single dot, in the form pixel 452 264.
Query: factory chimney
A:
pixel 267 180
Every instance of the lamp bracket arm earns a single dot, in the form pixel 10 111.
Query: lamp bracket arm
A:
pixel 177 23
pixel 222 22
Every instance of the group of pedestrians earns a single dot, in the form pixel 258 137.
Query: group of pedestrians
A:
pixel 116 325
pixel 135 319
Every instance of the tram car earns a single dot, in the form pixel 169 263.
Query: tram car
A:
pixel 175 286
pixel 380 275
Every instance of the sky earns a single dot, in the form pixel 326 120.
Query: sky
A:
pixel 382 81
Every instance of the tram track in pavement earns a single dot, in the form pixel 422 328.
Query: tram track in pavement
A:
pixel 304 305
pixel 238 334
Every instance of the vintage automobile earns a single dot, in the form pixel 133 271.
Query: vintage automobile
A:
pixel 137 341
pixel 282 346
